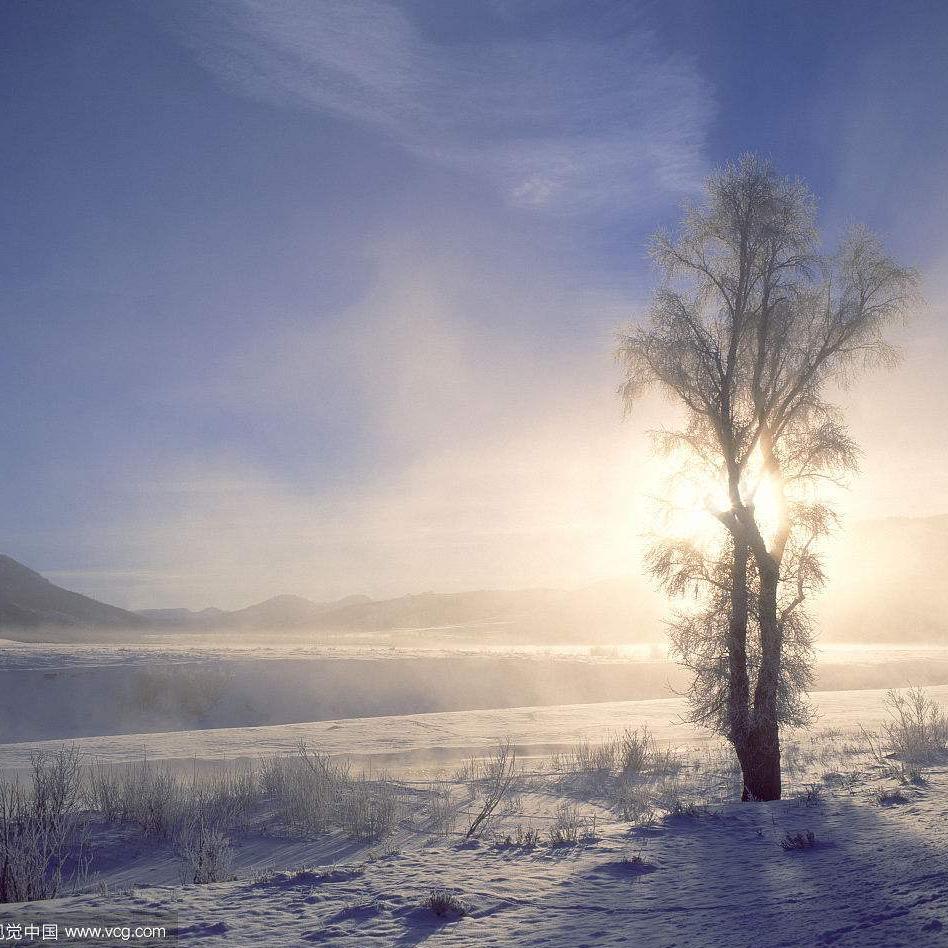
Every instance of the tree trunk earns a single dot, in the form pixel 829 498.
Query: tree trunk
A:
pixel 760 760
pixel 738 683
pixel 759 755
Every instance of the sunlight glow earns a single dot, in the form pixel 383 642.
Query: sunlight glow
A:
pixel 693 498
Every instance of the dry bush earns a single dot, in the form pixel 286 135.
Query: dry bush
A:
pixel 227 798
pixel 569 828
pixel 524 838
pixel 628 755
pixel 307 792
pixel 155 799
pixel 634 802
pixel 679 799
pixel 313 793
pixel 442 810
pixel 42 839
pixel 494 778
pixel 798 841
pixel 636 752
pixel 368 809
pixel 917 729
pixel 891 797
pixel 445 904
pixel 810 795
pixel 42 826
pixel 305 788
pixel 205 854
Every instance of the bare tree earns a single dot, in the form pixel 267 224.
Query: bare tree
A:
pixel 748 330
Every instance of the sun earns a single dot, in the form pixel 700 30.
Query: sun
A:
pixel 691 498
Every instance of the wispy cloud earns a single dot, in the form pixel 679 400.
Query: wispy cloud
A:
pixel 556 120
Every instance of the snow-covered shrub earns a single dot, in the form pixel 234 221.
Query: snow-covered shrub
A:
pixel 205 853
pixel 41 830
pixel 226 797
pixel 313 793
pixel 141 793
pixel 810 795
pixel 523 838
pixel 635 752
pixel 629 756
pixel 306 788
pixel 891 797
pixel 917 729
pixel 633 802
pixel 442 810
pixel 566 826
pixel 569 828
pixel 677 799
pixel 664 762
pixel 367 809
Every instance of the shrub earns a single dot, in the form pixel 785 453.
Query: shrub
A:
pixel 308 792
pixel 206 854
pixel 367 809
pixel 524 838
pixel 445 903
pixel 442 810
pixel 569 828
pixel 634 803
pixel 608 769
pixel 664 762
pixel 226 798
pixel 810 795
pixel 636 751
pixel 677 800
pixel 917 730
pixel 494 786
pixel 41 833
pixel 891 797
pixel 305 788
pixel 312 793
pixel 141 793
pixel 795 841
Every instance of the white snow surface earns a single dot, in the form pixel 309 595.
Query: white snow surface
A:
pixel 877 876
pixel 429 742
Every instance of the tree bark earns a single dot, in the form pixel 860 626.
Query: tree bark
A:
pixel 761 761
pixel 759 756
pixel 754 730
pixel 738 682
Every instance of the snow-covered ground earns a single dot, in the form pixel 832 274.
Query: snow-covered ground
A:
pixel 876 877
pixel 686 867
pixel 427 743
pixel 699 872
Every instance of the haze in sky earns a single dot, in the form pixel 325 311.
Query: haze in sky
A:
pixel 320 298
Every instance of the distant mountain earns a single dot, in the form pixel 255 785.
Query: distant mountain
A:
pixel 28 601
pixel 612 610
pixel 284 612
pixel 279 612
pixel 887 583
pixel 185 618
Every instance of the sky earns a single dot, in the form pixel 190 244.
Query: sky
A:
pixel 321 297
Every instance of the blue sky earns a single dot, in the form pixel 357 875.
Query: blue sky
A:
pixel 319 297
